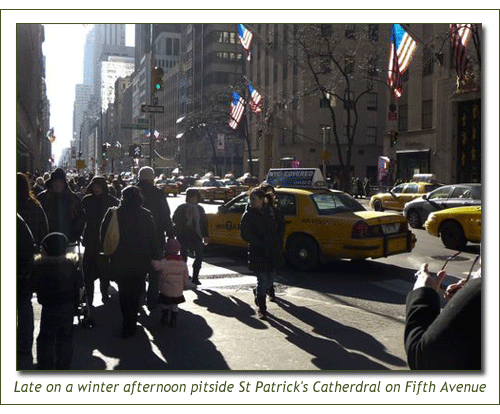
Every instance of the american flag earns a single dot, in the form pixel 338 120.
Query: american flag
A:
pixel 401 51
pixel 459 36
pixel 236 111
pixel 245 36
pixel 256 102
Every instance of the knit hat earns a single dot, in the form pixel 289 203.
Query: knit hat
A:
pixel 55 244
pixel 146 174
pixel 57 174
pixel 172 246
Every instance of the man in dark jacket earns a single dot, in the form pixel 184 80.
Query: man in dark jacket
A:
pixel 95 204
pixel 62 206
pixel 155 200
pixel 443 340
pixel 258 228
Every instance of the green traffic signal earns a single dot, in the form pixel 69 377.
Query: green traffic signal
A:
pixel 157 78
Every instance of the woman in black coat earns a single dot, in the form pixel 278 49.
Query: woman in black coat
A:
pixel 258 228
pixel 131 260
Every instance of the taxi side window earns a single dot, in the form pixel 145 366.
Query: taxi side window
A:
pixel 239 205
pixel 398 188
pixel 287 204
pixel 411 189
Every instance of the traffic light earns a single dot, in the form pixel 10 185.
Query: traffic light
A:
pixel 394 138
pixel 104 151
pixel 157 79
pixel 135 151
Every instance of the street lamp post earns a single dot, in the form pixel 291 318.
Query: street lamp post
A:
pixel 323 155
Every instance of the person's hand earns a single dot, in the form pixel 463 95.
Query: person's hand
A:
pixel 205 241
pixel 454 288
pixel 425 279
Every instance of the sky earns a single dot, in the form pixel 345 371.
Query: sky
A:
pixel 63 48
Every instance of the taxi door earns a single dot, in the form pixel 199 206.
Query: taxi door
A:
pixel 394 200
pixel 224 226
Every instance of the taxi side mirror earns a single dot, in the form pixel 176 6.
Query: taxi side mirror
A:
pixel 222 209
pixel 424 196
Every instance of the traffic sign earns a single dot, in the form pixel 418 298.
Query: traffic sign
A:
pixel 142 120
pixel 134 126
pixel 152 108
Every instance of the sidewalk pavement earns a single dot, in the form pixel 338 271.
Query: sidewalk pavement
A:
pixel 218 329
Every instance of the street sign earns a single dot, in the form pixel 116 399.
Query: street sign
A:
pixel 142 120
pixel 152 108
pixel 134 126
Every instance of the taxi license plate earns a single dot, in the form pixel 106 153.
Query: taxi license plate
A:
pixel 390 228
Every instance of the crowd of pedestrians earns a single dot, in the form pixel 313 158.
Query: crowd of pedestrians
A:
pixel 149 260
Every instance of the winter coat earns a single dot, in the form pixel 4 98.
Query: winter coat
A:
pixel 155 201
pixel 173 277
pixel 25 252
pixel 187 234
pixel 64 213
pixel 35 218
pixel 137 245
pixel 259 229
pixel 95 207
pixel 446 340
pixel 57 279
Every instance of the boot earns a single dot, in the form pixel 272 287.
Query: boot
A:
pixel 261 303
pixel 255 296
pixel 271 293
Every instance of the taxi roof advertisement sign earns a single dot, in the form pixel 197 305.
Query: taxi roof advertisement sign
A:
pixel 294 177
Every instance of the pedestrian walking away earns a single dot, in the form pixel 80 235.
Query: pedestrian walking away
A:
pixel 191 228
pixel 258 228
pixel 57 283
pixel 173 279
pixel 95 205
pixel 155 200
pixel 63 207
pixel 131 261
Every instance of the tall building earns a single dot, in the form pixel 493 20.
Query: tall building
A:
pixel 33 149
pixel 83 94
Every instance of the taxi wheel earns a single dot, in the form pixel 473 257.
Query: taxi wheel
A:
pixel 303 253
pixel 452 235
pixel 414 219
pixel 377 205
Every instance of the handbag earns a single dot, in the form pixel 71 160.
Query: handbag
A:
pixel 112 236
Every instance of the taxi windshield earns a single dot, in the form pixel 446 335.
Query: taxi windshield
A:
pixel 333 203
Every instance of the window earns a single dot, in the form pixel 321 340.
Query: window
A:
pixel 350 31
pixel 349 64
pixel 373 32
pixel 232 37
pixel 372 67
pixel 371 135
pixel 325 129
pixel 372 101
pixel 461 192
pixel 411 189
pixel 427 114
pixel 176 47
pixel 428 64
pixel 238 205
pixel 334 203
pixel 398 189
pixel 440 193
pixel 287 203
pixel 168 46
pixel 403 118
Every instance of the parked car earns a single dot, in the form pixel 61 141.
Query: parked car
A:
pixel 456 226
pixel 447 196
pixel 401 194
pixel 321 224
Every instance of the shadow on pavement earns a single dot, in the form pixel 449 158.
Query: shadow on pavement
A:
pixel 229 306
pixel 153 347
pixel 344 337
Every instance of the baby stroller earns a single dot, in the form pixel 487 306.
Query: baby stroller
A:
pixel 82 310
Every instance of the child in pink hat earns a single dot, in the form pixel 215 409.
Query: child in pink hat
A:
pixel 173 279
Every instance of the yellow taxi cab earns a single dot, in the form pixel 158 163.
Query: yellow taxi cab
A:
pixel 456 226
pixel 401 194
pixel 211 190
pixel 169 186
pixel 321 224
